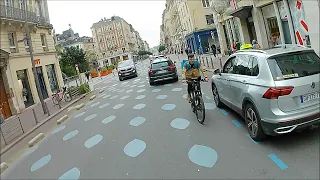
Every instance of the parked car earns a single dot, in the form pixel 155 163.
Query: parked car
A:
pixel 276 91
pixel 162 69
pixel 127 69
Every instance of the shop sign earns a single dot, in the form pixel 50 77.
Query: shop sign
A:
pixel 37 61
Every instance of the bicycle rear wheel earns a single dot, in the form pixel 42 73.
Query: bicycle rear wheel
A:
pixel 200 109
pixel 67 97
pixel 55 100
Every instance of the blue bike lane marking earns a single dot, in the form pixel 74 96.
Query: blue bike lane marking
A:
pixel 278 161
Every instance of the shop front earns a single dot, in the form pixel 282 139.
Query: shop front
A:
pixel 24 87
pixel 199 42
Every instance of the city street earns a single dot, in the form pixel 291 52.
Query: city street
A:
pixel 136 131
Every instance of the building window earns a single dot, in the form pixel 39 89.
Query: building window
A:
pixel 12 42
pixel 205 3
pixel 209 19
pixel 44 42
pixel 51 72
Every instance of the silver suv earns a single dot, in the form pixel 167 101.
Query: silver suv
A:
pixel 276 91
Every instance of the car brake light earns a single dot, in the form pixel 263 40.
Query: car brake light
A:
pixel 172 67
pixel 151 71
pixel 274 93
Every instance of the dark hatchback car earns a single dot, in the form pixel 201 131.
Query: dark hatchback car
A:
pixel 127 69
pixel 162 69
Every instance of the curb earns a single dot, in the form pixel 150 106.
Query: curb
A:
pixel 78 107
pixel 92 97
pixel 62 119
pixel 40 124
pixel 35 140
pixel 3 167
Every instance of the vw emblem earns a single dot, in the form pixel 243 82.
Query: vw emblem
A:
pixel 313 85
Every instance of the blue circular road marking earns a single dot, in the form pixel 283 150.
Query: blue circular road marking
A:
pixel 124 97
pixel 168 85
pixel 168 107
pixel 70 135
pixel 130 90
pixel 135 147
pixel 113 97
pixel 92 116
pixel 41 162
pixel 108 119
pixel 156 90
pixel 180 123
pixel 58 129
pixel 72 174
pixel 104 105
pixel 93 141
pixel 79 115
pixel 161 96
pixel 94 104
pixel 139 106
pixel 118 106
pixel 137 121
pixel 141 90
pixel 140 97
pixel 177 89
pixel 203 156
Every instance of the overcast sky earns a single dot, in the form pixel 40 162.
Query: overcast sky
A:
pixel 145 16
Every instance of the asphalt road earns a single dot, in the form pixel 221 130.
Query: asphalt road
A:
pixel 134 131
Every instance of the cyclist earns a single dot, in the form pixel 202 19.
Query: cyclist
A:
pixel 191 70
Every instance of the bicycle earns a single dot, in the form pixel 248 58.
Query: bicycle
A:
pixel 59 96
pixel 197 103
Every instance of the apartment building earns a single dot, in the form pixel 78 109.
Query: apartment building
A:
pixel 17 84
pixel 188 24
pixel 271 22
pixel 115 39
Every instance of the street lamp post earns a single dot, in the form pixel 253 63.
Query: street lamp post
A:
pixel 28 39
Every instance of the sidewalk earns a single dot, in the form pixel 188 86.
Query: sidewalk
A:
pixel 14 150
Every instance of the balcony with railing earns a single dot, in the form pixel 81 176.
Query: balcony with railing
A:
pixel 16 14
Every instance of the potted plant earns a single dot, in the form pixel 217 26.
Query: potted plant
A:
pixel 104 71
pixel 94 73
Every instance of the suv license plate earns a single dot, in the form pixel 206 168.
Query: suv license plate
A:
pixel 309 97
pixel 164 71
pixel 127 74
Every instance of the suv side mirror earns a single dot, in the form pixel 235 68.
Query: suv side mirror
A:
pixel 174 61
pixel 217 71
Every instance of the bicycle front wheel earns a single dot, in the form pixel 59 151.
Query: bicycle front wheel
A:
pixel 200 109
pixel 55 100
pixel 67 97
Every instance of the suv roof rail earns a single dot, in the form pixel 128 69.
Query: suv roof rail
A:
pixel 288 46
pixel 253 50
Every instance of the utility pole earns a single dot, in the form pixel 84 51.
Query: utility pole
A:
pixel 28 38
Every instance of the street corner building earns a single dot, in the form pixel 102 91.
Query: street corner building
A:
pixel 271 22
pixel 17 83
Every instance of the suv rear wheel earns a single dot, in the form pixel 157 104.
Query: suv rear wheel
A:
pixel 252 120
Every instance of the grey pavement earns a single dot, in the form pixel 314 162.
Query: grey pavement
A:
pixel 135 131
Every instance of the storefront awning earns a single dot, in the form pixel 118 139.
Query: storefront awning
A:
pixel 242 12
pixel 4 57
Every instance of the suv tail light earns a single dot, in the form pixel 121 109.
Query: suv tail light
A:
pixel 172 67
pixel 151 70
pixel 274 93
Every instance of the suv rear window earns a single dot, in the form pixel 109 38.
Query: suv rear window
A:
pixel 161 64
pixel 294 65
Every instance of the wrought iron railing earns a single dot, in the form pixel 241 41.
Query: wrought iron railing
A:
pixel 19 14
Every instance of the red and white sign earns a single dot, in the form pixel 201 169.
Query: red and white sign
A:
pixel 77 68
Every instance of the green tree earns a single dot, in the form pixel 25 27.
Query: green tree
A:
pixel 71 56
pixel 161 48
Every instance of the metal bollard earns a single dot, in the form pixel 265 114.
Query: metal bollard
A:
pixel 207 62
pixel 47 109
pixel 220 63
pixel 35 116
pixel 212 63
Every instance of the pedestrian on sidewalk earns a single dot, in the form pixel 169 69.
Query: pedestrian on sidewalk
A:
pixel 87 75
pixel 214 50
pixel 255 44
